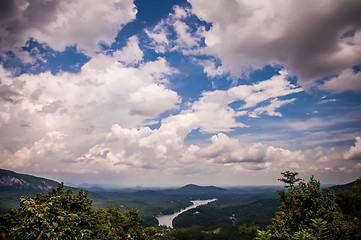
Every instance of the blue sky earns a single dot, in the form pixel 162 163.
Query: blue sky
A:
pixel 165 93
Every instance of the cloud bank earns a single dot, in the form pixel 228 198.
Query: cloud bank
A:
pixel 313 39
pixel 212 91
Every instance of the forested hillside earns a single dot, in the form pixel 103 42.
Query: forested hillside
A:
pixel 15 185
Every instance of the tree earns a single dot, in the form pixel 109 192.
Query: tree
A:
pixel 306 212
pixel 251 231
pixel 289 178
pixel 62 215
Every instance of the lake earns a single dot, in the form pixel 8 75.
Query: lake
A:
pixel 166 220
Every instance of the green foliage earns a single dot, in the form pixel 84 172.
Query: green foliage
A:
pixel 259 212
pixel 350 204
pixel 307 212
pixel 289 178
pixel 263 235
pixel 252 231
pixel 223 232
pixel 350 200
pixel 62 215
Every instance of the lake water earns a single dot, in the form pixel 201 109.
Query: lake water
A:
pixel 166 220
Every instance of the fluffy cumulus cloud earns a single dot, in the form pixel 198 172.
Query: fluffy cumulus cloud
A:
pixel 151 100
pixel 131 54
pixel 163 150
pixel 103 86
pixel 43 155
pixel 108 94
pixel 314 39
pixel 225 150
pixel 81 104
pixel 59 24
pixel 355 151
pixel 142 148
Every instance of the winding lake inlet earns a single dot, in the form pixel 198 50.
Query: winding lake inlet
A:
pixel 166 220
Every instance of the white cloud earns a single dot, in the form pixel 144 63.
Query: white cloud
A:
pixel 143 150
pixel 164 149
pixel 225 150
pixel 44 155
pixel 249 34
pixel 355 151
pixel 210 68
pixel 152 100
pixel 309 124
pixel 107 94
pixel 131 54
pixel 143 147
pixel 277 86
pixel 347 80
pixel 187 40
pixel 325 100
pixel 159 36
pixel 103 93
pixel 62 23
pixel 271 108
pixel 180 13
pixel 216 115
pixel 317 125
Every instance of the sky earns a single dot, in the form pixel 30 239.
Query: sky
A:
pixel 171 92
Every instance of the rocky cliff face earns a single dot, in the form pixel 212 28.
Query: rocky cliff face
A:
pixel 9 179
pixel 16 183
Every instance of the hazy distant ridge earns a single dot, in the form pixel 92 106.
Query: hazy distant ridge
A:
pixel 192 188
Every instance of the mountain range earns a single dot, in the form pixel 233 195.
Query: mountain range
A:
pixel 17 181
pixel 12 180
pixel 256 204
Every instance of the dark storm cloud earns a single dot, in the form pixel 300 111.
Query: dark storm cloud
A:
pixel 309 46
pixel 16 17
pixel 314 39
pixel 7 9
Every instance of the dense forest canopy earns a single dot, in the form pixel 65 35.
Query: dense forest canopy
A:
pixel 61 215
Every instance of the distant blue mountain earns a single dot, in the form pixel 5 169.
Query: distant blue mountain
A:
pixel 347 186
pixel 195 189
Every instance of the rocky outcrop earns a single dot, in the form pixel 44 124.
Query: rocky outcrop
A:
pixel 9 179
pixel 13 182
